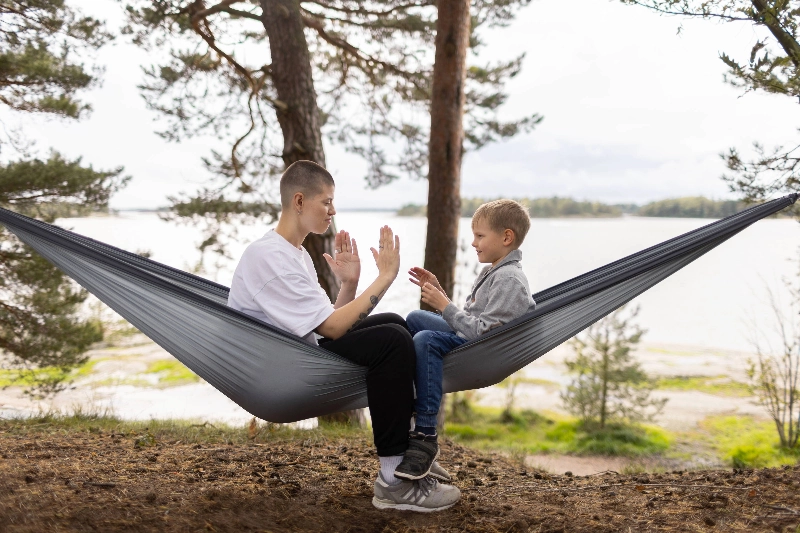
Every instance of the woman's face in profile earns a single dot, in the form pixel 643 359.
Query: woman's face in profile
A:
pixel 319 211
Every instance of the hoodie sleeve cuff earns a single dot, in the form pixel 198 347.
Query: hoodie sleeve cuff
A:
pixel 449 313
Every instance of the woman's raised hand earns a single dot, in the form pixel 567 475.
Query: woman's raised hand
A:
pixel 347 265
pixel 387 256
pixel 420 276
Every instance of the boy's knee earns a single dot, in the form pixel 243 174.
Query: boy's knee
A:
pixel 414 320
pixel 422 339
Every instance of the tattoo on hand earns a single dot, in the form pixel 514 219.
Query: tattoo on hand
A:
pixel 372 300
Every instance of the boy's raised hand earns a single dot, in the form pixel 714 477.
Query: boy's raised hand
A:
pixel 420 276
pixel 434 297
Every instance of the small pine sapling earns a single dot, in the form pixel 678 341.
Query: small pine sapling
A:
pixel 608 384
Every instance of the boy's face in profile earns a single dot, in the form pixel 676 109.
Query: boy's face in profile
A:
pixel 491 245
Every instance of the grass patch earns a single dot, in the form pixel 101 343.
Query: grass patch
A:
pixel 173 431
pixel 530 432
pixel 115 382
pixel 718 385
pixel 172 372
pixel 530 381
pixel 747 442
pixel 27 378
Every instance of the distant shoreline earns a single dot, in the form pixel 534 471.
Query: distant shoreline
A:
pixel 556 207
pixel 553 207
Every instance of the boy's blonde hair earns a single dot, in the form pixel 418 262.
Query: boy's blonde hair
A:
pixel 505 214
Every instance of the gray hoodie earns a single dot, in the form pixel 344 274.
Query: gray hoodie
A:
pixel 503 297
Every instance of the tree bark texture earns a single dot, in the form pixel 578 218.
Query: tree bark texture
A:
pixel 300 119
pixel 446 142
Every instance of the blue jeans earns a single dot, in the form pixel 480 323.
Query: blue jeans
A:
pixel 433 338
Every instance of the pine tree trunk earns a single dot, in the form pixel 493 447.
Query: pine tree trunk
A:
pixel 300 121
pixel 301 127
pixel 446 143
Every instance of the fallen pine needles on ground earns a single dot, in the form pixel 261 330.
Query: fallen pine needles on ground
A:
pixel 84 473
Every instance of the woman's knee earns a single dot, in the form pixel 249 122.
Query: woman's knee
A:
pixel 394 318
pixel 399 346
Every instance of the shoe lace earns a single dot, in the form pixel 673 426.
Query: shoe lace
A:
pixel 427 485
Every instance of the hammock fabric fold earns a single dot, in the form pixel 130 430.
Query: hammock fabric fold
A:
pixel 276 376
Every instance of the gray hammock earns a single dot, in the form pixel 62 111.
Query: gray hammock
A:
pixel 276 376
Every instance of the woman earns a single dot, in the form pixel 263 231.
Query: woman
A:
pixel 275 282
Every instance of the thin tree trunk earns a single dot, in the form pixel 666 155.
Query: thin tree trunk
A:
pixel 301 127
pixel 300 121
pixel 446 142
pixel 605 385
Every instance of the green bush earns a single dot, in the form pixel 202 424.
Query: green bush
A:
pixel 531 432
pixel 746 442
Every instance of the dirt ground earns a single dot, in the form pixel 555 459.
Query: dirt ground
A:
pixel 68 480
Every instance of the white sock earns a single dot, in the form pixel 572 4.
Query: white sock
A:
pixel 388 466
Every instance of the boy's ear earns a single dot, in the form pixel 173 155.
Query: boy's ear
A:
pixel 508 237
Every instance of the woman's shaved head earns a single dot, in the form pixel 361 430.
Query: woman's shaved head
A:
pixel 305 177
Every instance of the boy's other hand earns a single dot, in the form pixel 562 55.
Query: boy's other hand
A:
pixel 434 297
pixel 420 276
pixel 347 265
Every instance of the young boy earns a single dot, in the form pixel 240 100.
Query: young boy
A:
pixel 499 295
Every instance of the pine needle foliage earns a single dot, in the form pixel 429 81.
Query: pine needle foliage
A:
pixel 372 63
pixel 771 67
pixel 608 385
pixel 43 44
pixel 40 324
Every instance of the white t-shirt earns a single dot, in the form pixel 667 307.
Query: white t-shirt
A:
pixel 277 284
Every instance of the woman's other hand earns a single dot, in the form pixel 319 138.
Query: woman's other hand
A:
pixel 434 297
pixel 420 276
pixel 387 256
pixel 346 265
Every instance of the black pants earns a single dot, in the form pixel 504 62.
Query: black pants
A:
pixel 383 344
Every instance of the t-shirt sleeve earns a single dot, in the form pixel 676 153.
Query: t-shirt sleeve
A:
pixel 294 302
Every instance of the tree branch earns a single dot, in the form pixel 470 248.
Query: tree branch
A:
pixel 197 13
pixel 340 43
pixel 242 14
pixel 686 13
pixel 784 38
pixel 367 12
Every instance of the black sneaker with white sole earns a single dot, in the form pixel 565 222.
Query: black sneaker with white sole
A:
pixel 419 457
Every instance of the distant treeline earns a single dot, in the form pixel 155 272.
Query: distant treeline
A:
pixel 555 207
pixel 54 210
pixel 691 207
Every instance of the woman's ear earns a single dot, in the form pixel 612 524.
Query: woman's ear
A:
pixel 297 202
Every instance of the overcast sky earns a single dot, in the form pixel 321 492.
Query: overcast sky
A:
pixel 633 112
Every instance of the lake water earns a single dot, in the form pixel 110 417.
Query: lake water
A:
pixel 715 302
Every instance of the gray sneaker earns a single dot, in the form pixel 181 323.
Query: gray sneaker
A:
pixel 423 495
pixel 438 472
